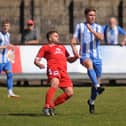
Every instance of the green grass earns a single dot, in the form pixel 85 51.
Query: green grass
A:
pixel 26 111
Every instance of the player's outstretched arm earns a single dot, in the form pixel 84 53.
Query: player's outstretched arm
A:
pixel 38 64
pixel 72 59
pixel 73 46
pixel 3 47
pixel 9 46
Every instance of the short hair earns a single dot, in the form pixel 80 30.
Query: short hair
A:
pixel 87 10
pixel 5 22
pixel 50 33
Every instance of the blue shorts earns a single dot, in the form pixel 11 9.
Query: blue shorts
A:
pixel 97 65
pixel 5 67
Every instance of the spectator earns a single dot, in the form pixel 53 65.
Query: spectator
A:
pixel 30 36
pixel 5 63
pixel 112 32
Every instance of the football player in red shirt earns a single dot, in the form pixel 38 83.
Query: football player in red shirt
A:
pixel 57 57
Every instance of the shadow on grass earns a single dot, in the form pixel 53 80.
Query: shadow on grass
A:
pixel 22 114
pixel 59 114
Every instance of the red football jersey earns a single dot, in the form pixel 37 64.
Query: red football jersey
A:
pixel 56 55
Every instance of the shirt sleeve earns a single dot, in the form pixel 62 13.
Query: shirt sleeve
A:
pixel 77 32
pixel 100 29
pixel 41 52
pixel 121 31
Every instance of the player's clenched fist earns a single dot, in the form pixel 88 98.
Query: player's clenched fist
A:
pixel 37 63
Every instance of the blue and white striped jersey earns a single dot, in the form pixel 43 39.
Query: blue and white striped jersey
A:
pixel 4 40
pixel 89 45
pixel 112 34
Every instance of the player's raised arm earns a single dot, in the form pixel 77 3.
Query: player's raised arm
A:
pixel 98 35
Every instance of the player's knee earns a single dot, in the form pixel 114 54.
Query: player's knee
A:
pixel 70 93
pixel 88 64
pixel 55 82
pixel 9 75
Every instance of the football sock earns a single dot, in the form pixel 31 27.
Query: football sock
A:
pixel 93 95
pixel 49 97
pixel 10 91
pixel 91 101
pixel 92 76
pixel 9 81
pixel 61 99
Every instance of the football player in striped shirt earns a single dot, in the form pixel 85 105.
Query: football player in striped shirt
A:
pixel 5 64
pixel 89 34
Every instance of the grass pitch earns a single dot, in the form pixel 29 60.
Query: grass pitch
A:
pixel 26 111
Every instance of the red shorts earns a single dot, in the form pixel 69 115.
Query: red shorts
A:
pixel 54 72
